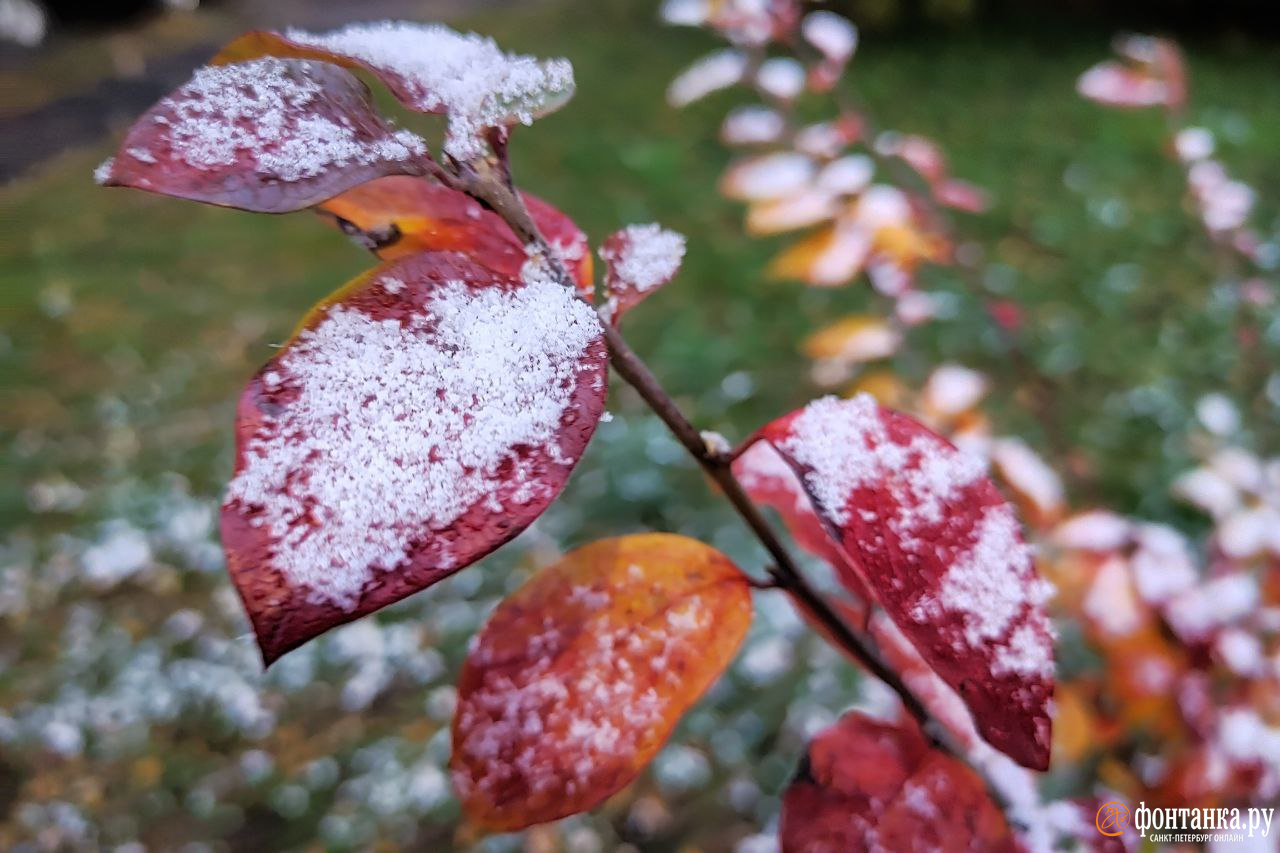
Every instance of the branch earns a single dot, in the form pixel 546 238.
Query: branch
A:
pixel 490 183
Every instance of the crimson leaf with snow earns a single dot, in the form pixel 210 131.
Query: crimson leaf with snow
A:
pixel 868 785
pixel 917 522
pixel 432 69
pixel 271 135
pixel 641 259
pixel 423 416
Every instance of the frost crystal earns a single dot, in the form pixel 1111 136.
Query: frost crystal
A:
pixel 649 256
pixel 265 109
pixel 392 430
pixel 466 76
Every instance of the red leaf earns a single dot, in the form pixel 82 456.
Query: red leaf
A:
pixel 401 216
pixel 870 785
pixel 272 135
pixel 641 259
pixel 424 416
pixel 770 480
pixel 941 551
pixel 431 69
pixel 579 677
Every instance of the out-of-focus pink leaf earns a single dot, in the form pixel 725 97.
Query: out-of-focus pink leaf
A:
pixel 870 785
pixel 1115 85
pixel 767 176
pixel 926 157
pixel 423 416
pixel 271 135
pixel 940 550
pixel 1150 73
pixel 711 73
pixel 641 259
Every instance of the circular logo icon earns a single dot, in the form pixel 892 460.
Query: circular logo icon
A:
pixel 1112 818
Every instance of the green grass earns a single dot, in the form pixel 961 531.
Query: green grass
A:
pixel 131 321
pixel 172 305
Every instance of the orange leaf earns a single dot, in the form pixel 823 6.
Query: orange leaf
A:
pixel 398 216
pixel 827 258
pixel 857 338
pixel 872 785
pixel 580 676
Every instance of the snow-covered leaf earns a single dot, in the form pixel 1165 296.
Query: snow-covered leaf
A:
pixel 580 676
pixel 641 259
pixel 940 550
pixel 432 69
pixel 423 416
pixel 269 135
pixel 399 216
pixel 867 785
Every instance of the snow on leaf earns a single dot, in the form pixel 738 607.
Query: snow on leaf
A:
pixel 420 419
pixel 432 69
pixel 941 551
pixel 870 785
pixel 400 216
pixel 770 481
pixel 641 259
pixel 580 676
pixel 270 135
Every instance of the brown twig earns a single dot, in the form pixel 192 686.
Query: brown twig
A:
pixel 490 184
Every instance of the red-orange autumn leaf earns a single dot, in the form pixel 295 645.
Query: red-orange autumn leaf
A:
pixel 272 135
pixel 418 421
pixel 641 259
pixel 579 677
pixel 399 216
pixel 921 527
pixel 869 785
pixel 432 69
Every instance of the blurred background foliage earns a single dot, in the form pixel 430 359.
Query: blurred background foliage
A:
pixel 132 706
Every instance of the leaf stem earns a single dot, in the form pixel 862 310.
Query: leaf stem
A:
pixel 491 184
pixel 785 572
